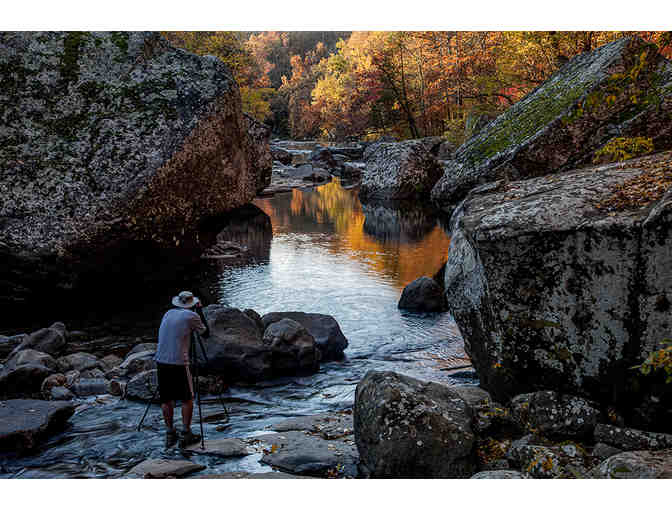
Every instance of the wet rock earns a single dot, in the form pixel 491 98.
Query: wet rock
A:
pixel 24 372
pixel 555 415
pixel 281 155
pixel 25 423
pixel 445 151
pixel 423 294
pixel 94 373
pixel 143 386
pixel 525 281
pixel 394 171
pixel 235 349
pixel 321 157
pixel 9 343
pixel 326 425
pixel 303 454
pixel 258 148
pixel 639 464
pixel 71 378
pixel 50 340
pixel 106 130
pixel 228 447
pixel 61 393
pixel 632 439
pixel 111 361
pixel 136 363
pixel 293 349
pixel 503 474
pixel 235 475
pixel 432 143
pixel 350 151
pixel 563 122
pixel 144 347
pixel 79 361
pixel 409 428
pixel 603 451
pixel 165 468
pixel 117 388
pixel 256 318
pixel 325 330
pixel 53 381
pixel 88 387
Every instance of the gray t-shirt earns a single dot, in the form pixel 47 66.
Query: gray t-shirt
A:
pixel 175 336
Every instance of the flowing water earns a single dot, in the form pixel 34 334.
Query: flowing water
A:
pixel 327 253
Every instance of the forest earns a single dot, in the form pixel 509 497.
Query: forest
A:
pixel 363 85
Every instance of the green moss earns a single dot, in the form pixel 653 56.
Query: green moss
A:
pixel 120 39
pixel 72 44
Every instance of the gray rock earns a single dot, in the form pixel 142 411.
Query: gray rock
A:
pixel 165 468
pixel 325 330
pixel 61 393
pixel 423 294
pixel 432 143
pixel 503 474
pixel 71 378
pixel 94 373
pixel 303 454
pixel 136 363
pixel 445 151
pixel 536 461
pixel 117 388
pixel 400 221
pixel 322 157
pixel 25 423
pixel 236 475
pixel 88 387
pixel 293 349
pixel 105 127
pixel 111 361
pixel 235 349
pixel 603 451
pixel 409 428
pixel 53 381
pixel 281 155
pixel 350 151
pixel 394 171
pixel 229 447
pixel 326 425
pixel 555 415
pixel 540 283
pixel 24 372
pixel 261 159
pixel 563 122
pixel 9 343
pixel 143 386
pixel 256 318
pixel 632 439
pixel 308 172
pixel 78 361
pixel 640 464
pixel 50 340
pixel 144 347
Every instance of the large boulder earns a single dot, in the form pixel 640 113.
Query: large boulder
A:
pixel 639 464
pixel 632 439
pixel 281 155
pixel 293 349
pixel 259 135
pixel 113 144
pixel 397 221
pixel 78 361
pixel 25 423
pixel 51 340
pixel 324 329
pixel 9 343
pixel 424 295
pixel 24 372
pixel 621 89
pixel 406 428
pixel 235 349
pixel 553 290
pixel 143 386
pixel 397 171
pixel 322 157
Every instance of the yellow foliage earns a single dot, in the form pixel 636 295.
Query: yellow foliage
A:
pixel 622 149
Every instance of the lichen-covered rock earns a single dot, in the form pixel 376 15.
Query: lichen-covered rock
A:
pixel 406 428
pixel 632 439
pixel 422 294
pixel 394 171
pixel 293 349
pixel 556 415
pixel 500 474
pixel 110 139
pixel 25 423
pixel 551 292
pixel 260 151
pixel 325 330
pixel 639 464
pixel 620 89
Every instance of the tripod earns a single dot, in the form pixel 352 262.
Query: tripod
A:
pixel 195 337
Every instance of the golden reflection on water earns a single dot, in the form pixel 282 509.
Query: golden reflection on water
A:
pixel 331 208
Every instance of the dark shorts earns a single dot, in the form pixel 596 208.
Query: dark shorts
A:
pixel 173 383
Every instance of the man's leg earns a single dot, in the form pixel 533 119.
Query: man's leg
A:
pixel 187 411
pixel 167 408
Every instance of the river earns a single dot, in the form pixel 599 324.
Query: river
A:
pixel 329 254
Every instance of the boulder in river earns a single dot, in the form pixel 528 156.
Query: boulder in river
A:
pixel 235 349
pixel 78 361
pixel 281 155
pixel 51 340
pixel 119 146
pixel 143 386
pixel 397 171
pixel 24 372
pixel 621 89
pixel 322 157
pixel 325 330
pixel 407 428
pixel 553 290
pixel 424 295
pixel 9 343
pixel 293 349
pixel 259 149
pixel 25 423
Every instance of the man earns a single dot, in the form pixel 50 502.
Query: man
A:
pixel 172 361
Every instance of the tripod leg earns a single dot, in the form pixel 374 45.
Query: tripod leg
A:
pixel 207 361
pixel 148 404
pixel 196 388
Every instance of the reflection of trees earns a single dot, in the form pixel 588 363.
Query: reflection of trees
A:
pixel 407 243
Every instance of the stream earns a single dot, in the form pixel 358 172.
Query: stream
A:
pixel 327 253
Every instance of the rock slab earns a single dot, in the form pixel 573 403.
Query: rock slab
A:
pixel 25 423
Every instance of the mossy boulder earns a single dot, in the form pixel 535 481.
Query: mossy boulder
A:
pixel 111 142
pixel 623 88
pixel 551 291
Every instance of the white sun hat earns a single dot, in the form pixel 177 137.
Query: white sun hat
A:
pixel 185 299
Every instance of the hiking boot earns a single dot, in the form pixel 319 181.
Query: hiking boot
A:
pixel 171 438
pixel 188 438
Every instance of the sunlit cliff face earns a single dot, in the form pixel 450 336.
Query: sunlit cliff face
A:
pixel 402 244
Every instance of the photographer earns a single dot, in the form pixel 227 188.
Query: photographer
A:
pixel 172 360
